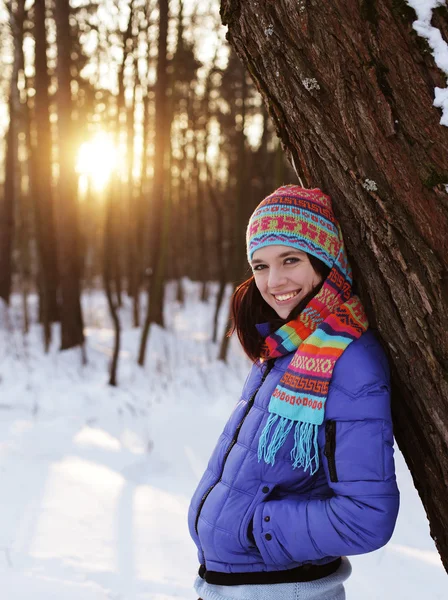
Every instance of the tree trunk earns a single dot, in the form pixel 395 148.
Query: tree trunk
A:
pixel 225 341
pixel 134 268
pixel 350 88
pixel 12 178
pixel 68 233
pixel 242 209
pixel 200 216
pixel 41 162
pixel 8 201
pixel 220 254
pixel 108 261
pixel 160 204
pixel 126 237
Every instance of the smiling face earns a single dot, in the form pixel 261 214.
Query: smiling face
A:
pixel 284 276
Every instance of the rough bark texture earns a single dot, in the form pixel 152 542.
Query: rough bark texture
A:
pixel 350 88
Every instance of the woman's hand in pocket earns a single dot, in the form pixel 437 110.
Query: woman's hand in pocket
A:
pixel 250 533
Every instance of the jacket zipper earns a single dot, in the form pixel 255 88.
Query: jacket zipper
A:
pixel 250 403
pixel 330 449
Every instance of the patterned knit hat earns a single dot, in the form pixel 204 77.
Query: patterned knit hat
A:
pixel 296 217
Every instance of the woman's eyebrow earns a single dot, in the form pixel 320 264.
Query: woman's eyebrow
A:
pixel 258 261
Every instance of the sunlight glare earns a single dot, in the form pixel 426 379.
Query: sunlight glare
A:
pixel 97 158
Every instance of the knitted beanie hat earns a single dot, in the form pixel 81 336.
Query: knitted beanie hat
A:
pixel 300 218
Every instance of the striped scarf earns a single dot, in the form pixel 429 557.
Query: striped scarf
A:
pixel 319 335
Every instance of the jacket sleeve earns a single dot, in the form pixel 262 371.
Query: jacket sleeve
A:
pixel 356 452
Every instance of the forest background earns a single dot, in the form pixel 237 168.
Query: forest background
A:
pixel 133 158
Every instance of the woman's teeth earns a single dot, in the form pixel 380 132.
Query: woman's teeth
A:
pixel 285 297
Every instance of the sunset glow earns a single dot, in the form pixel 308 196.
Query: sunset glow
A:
pixel 97 158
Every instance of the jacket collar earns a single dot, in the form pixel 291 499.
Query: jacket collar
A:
pixel 264 329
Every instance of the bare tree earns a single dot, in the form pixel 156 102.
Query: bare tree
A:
pixel 159 202
pixel 9 202
pixel 68 233
pixel 41 165
pixel 350 88
pixel 109 281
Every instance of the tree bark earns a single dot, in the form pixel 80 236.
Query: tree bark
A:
pixel 350 88
pixel 220 254
pixel 160 204
pixel 41 162
pixel 110 197
pixel 8 202
pixel 68 230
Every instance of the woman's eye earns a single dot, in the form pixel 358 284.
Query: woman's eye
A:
pixel 294 259
pixel 259 267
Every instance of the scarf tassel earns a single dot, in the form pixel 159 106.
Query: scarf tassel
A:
pixel 305 441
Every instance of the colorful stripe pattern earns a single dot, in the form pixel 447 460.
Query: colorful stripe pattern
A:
pixel 295 217
pixel 320 334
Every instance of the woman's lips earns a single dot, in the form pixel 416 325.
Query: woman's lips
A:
pixel 286 297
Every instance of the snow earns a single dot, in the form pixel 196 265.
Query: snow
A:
pixel 439 47
pixel 96 481
pixel 310 83
pixel 370 185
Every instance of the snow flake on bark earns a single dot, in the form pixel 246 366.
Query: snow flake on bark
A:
pixel 301 5
pixel 439 47
pixel 370 185
pixel 310 83
pixel 269 30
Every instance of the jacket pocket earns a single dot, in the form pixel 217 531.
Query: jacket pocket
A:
pixel 245 534
pixel 269 538
pixel 355 450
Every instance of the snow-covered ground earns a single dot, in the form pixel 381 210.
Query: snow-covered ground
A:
pixel 96 481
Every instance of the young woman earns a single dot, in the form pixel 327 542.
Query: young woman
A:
pixel 303 473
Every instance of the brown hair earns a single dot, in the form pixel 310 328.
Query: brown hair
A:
pixel 248 308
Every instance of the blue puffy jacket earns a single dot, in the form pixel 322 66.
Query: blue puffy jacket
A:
pixel 247 516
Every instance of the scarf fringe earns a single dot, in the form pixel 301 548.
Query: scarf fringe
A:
pixel 305 440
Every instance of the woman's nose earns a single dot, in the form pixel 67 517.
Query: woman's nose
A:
pixel 276 278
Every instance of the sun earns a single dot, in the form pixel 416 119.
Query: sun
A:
pixel 96 160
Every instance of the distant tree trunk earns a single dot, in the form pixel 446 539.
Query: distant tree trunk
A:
pixel 220 254
pixel 24 261
pixel 134 259
pixel 123 228
pixel 225 341
pixel 108 261
pixel 8 201
pixel 200 215
pixel 12 178
pixel 68 231
pixel 117 217
pixel 23 211
pixel 41 161
pixel 239 264
pixel 361 124
pixel 159 203
pixel 178 222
